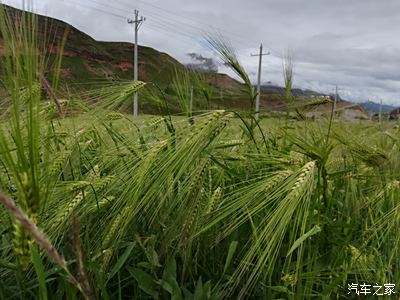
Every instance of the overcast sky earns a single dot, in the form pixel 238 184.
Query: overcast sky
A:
pixel 352 43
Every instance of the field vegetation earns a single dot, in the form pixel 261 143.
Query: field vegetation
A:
pixel 207 205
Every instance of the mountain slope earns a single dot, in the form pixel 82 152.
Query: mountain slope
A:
pixel 87 63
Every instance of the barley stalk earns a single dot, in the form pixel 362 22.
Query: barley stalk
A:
pixel 79 258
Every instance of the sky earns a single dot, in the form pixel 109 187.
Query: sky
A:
pixel 350 43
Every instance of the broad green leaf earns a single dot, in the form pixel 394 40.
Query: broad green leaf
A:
pixel 231 252
pixel 198 293
pixel 146 281
pixel 169 282
pixel 39 269
pixel 121 261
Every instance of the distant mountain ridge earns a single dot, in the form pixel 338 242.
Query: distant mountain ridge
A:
pixel 373 107
pixel 297 92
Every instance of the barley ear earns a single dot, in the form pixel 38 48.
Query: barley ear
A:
pixel 21 244
pixel 40 238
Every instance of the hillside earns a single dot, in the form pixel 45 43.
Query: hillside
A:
pixel 87 59
pixel 87 62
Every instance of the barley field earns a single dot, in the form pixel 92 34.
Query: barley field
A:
pixel 212 205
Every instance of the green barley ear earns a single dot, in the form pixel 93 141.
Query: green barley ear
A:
pixel 114 94
pixel 102 183
pixel 30 202
pixel 58 163
pixel 278 178
pixel 68 209
pixel 301 183
pixel 21 243
pixel 227 54
pixel 113 116
pixel 107 255
pixel 215 197
pixel 30 197
pixel 104 202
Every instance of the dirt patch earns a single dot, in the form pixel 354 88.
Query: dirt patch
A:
pixel 125 66
pixel 223 81
pixel 54 49
pixel 65 73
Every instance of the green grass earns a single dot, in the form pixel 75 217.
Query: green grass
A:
pixel 96 205
pixel 216 206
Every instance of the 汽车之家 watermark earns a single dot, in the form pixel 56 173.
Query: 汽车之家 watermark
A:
pixel 387 289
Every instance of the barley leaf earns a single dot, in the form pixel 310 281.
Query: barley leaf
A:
pixel 146 282
pixel 316 229
pixel 121 261
pixel 231 252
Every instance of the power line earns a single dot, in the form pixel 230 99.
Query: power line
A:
pixel 199 30
pixel 93 8
pixel 174 21
pixel 159 25
pixel 168 27
pixel 175 35
pixel 162 18
pixel 107 5
pixel 196 21
pixel 165 27
pixel 163 21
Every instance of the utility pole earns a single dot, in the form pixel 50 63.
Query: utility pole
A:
pixel 336 99
pixel 191 101
pixel 137 23
pixel 191 120
pixel 259 79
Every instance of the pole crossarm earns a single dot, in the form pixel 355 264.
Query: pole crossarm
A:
pixel 266 53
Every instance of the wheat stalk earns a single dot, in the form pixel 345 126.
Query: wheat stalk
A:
pixel 79 258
